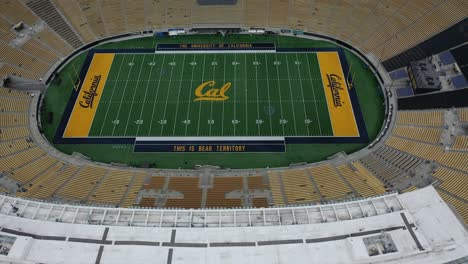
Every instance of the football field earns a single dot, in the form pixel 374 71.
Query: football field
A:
pixel 216 94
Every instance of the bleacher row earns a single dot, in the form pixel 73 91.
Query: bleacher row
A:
pixel 382 28
pixel 224 191
pixel 417 134
pixel 323 183
pixel 43 176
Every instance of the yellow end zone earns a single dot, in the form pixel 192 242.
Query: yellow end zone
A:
pixel 338 99
pixel 87 102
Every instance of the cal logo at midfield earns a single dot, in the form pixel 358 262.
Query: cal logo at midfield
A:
pixel 204 93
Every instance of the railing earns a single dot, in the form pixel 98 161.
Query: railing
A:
pixel 240 217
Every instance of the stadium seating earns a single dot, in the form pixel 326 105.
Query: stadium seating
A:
pixel 40 50
pixel 188 186
pixel 45 187
pixel 113 188
pixel 14 146
pixel 31 170
pixel 80 186
pixel 10 133
pixel 297 187
pixel 359 181
pixel 463 114
pixel 453 181
pixel 112 16
pixel 5 29
pixel 276 188
pixel 426 134
pixel 206 14
pixel 421 18
pixel 135 14
pixel 460 143
pixel 460 206
pixel 51 39
pixel 330 185
pixel 216 196
pixel 422 118
pixel 256 13
pixel 79 22
pixel 135 185
pixel 430 152
pixel 17 12
pixel 7 69
pixel 24 60
pixel 383 29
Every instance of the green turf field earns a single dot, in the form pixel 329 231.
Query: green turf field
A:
pixel 58 94
pixel 271 94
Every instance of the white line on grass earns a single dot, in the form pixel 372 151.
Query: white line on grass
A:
pixel 280 96
pixel 156 96
pixel 246 96
pixel 313 93
pixel 146 92
pixel 112 95
pixel 290 91
pixel 211 106
pixel 303 99
pixel 178 96
pixel 199 108
pixel 134 93
pixel 123 95
pixel 258 110
pixel 269 101
pixel 224 81
pixel 167 96
pixel 189 98
pixel 235 94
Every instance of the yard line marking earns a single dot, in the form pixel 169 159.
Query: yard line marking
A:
pixel 269 101
pixel 167 96
pixel 246 96
pixel 123 95
pixel 156 96
pixel 258 110
pixel 280 96
pixel 112 95
pixel 146 92
pixel 199 108
pixel 224 81
pixel 178 96
pixel 134 93
pixel 189 97
pixel 211 110
pixel 235 94
pixel 290 91
pixel 313 92
pixel 302 92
